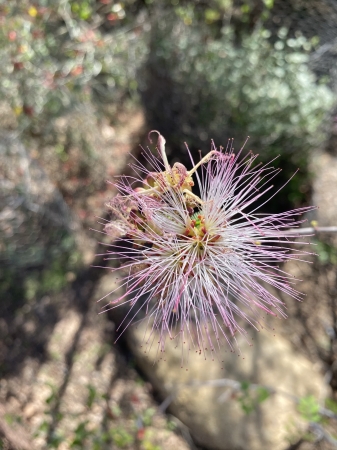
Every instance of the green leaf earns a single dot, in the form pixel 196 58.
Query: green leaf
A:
pixel 269 3
pixel 331 404
pixel 262 394
pixel 308 407
pixel 245 385
pixel 92 393
pixel 121 437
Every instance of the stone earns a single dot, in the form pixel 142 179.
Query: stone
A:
pixel 217 420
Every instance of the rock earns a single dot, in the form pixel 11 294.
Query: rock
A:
pixel 224 425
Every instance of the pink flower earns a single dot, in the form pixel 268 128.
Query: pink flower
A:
pixel 198 265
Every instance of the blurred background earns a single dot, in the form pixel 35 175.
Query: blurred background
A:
pixel 81 84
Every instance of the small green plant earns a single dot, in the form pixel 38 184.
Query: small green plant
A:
pixel 116 411
pixel 83 63
pixel 52 396
pixel 12 418
pixel 147 416
pixel 331 405
pixel 249 398
pixel 43 428
pixel 309 409
pixel 81 434
pixel 121 437
pixel 148 445
pixel 171 425
pixel 55 440
pixel 99 440
pixel 92 394
pixel 327 253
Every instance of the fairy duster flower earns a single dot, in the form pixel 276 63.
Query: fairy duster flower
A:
pixel 194 255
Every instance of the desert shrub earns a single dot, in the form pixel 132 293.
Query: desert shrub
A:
pixel 197 87
pixel 55 55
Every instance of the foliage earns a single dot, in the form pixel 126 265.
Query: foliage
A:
pixel 224 86
pixel 92 393
pixel 118 429
pixel 207 78
pixel 249 398
pixel 147 416
pixel 121 437
pixel 56 54
pixel 326 252
pixel 309 408
pixel 320 420
pixel 331 405
pixel 259 88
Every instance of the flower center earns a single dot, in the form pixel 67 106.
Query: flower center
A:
pixel 196 228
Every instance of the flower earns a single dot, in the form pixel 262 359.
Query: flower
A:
pixel 198 265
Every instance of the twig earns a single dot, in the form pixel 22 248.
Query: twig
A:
pixel 311 230
pixel 322 434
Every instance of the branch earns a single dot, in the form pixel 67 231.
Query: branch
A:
pixel 311 230
pixel 322 434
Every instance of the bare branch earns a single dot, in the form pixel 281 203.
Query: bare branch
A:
pixel 311 230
